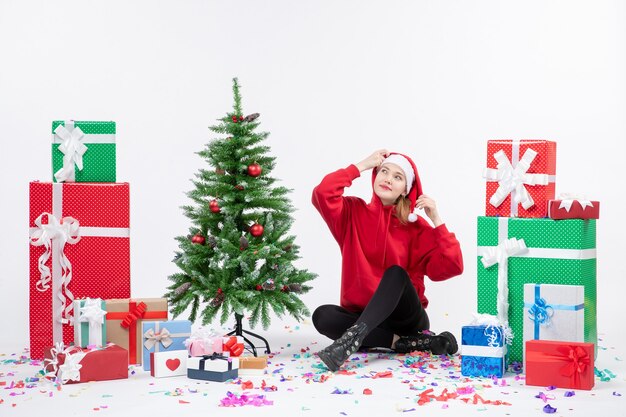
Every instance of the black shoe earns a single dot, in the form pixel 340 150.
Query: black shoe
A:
pixel 340 350
pixel 444 343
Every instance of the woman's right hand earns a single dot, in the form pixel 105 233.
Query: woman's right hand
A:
pixel 373 161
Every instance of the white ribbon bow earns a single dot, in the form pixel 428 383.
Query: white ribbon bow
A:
pixel 153 338
pixel 64 231
pixel 73 149
pixel 53 363
pixel 568 199
pixel 500 255
pixel 92 313
pixel 70 369
pixel 513 180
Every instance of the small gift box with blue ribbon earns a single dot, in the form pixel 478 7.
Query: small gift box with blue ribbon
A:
pixel 483 351
pixel 90 323
pixel 215 367
pixel 163 336
pixel 554 312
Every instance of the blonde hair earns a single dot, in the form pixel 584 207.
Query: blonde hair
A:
pixel 403 209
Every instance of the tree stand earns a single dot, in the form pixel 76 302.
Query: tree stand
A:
pixel 239 331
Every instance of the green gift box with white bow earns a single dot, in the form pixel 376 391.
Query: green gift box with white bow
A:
pixel 517 251
pixel 90 322
pixel 83 151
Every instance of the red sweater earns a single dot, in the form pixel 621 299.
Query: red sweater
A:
pixel 372 239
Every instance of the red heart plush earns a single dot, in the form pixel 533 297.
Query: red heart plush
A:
pixel 172 364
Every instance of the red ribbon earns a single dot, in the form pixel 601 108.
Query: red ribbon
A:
pixel 576 361
pixel 233 347
pixel 136 312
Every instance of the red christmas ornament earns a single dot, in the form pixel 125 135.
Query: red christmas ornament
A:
pixel 214 206
pixel 285 288
pixel 256 230
pixel 259 287
pixel 198 239
pixel 239 187
pixel 241 118
pixel 235 119
pixel 254 170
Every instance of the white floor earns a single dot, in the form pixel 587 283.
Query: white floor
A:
pixel 302 387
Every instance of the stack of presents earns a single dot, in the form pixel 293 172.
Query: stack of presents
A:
pixel 83 323
pixel 536 273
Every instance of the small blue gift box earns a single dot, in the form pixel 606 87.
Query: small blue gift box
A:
pixel 483 350
pixel 215 367
pixel 163 336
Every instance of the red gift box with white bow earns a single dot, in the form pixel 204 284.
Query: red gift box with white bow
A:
pixel 520 177
pixel 79 248
pixel 71 365
pixel 560 364
pixel 569 206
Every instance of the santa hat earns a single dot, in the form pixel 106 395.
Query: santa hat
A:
pixel 413 184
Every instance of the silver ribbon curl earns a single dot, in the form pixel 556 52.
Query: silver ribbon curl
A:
pixel 67 230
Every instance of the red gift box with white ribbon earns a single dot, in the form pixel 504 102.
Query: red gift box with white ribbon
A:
pixel 79 248
pixel 520 177
pixel 571 206
pixel 73 365
pixel 560 364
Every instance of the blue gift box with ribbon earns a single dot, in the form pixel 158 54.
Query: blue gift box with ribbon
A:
pixel 216 367
pixel 163 336
pixel 483 351
pixel 554 312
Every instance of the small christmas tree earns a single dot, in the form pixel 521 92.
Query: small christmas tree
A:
pixel 238 255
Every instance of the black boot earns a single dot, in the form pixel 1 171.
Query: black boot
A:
pixel 340 350
pixel 444 343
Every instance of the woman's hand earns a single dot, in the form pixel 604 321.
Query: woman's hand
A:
pixel 373 161
pixel 430 208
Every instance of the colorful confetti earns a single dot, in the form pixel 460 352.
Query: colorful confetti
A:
pixel 233 400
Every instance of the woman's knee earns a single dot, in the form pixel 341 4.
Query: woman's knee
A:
pixel 321 316
pixel 396 273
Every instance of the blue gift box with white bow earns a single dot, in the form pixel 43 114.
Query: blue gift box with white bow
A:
pixel 483 351
pixel 554 312
pixel 163 336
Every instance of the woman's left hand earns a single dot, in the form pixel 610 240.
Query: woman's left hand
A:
pixel 430 208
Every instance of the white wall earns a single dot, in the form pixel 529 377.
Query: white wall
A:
pixel 333 81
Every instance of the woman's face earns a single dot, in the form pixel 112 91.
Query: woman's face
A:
pixel 389 183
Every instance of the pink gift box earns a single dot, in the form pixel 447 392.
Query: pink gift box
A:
pixel 204 346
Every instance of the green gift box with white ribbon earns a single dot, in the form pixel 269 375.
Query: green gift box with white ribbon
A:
pixel 517 251
pixel 90 322
pixel 83 151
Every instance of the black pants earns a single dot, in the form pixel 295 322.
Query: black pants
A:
pixel 394 308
